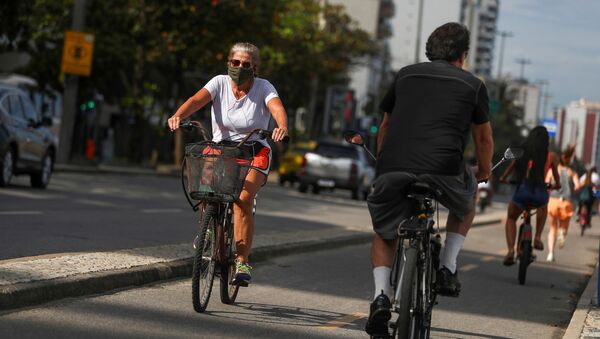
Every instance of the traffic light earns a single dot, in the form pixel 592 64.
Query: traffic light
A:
pixel 91 104
pixel 373 129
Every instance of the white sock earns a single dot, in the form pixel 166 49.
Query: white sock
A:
pixel 382 281
pixel 453 245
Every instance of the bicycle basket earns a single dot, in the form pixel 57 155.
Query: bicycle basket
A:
pixel 215 172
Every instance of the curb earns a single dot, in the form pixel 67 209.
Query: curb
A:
pixel 39 292
pixel 586 301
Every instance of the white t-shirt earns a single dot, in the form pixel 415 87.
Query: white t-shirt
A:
pixel 233 119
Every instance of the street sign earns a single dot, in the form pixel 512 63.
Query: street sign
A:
pixel 551 125
pixel 77 53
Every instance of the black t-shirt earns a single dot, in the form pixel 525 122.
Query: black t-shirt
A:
pixel 431 107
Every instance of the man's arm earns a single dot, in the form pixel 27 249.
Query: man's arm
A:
pixel 382 130
pixel 484 149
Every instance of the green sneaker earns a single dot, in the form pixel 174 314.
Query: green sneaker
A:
pixel 242 274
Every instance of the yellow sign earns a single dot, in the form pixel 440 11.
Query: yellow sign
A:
pixel 77 53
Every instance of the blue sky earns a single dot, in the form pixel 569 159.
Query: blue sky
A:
pixel 562 40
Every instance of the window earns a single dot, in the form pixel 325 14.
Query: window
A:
pixel 5 104
pixel 29 110
pixel 16 109
pixel 336 151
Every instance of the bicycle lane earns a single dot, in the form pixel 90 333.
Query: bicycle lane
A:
pixel 325 294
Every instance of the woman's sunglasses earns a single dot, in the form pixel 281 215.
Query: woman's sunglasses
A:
pixel 237 63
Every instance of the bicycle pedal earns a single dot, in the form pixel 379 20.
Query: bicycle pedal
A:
pixel 240 283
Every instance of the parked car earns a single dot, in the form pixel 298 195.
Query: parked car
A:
pixel 292 161
pixel 336 165
pixel 26 144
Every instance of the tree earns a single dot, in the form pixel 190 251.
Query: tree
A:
pixel 148 55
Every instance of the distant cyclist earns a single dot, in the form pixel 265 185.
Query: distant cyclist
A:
pixel 428 113
pixel 241 102
pixel 531 191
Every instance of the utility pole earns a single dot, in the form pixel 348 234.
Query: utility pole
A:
pixel 503 36
pixel 419 24
pixel 542 83
pixel 547 96
pixel 70 93
pixel 523 62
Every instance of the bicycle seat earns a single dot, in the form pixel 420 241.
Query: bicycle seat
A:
pixel 424 189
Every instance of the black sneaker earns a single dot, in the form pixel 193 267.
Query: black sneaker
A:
pixel 447 284
pixel 379 315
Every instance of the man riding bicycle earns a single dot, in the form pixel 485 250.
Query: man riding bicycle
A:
pixel 428 112
pixel 241 102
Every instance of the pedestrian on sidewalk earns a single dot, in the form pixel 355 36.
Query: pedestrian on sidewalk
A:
pixel 531 191
pixel 241 102
pixel 560 206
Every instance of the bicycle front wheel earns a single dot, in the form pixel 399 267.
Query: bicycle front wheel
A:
pixel 203 271
pixel 406 324
pixel 228 291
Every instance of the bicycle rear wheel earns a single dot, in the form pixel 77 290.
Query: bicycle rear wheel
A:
pixel 406 324
pixel 524 260
pixel 203 271
pixel 228 291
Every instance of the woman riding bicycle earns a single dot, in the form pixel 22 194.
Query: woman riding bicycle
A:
pixel 531 189
pixel 241 102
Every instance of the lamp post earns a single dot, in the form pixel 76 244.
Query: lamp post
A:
pixel 523 62
pixel 503 35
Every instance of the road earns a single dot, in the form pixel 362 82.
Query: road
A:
pixel 325 295
pixel 97 212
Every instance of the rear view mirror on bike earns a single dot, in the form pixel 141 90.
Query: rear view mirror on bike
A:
pixel 513 153
pixel 354 137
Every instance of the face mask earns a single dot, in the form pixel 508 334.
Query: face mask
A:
pixel 239 75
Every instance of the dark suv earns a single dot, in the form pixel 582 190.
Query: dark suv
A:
pixel 26 144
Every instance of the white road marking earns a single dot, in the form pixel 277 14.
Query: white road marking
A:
pixel 488 258
pixel 96 202
pixel 21 212
pixel 22 194
pixel 343 321
pixel 469 267
pixel 162 210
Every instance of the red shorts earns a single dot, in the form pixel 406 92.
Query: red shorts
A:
pixel 262 161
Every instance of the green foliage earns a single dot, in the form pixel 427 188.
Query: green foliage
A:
pixel 149 55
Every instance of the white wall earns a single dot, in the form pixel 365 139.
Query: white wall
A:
pixel 366 14
pixel 404 23
pixel 574 128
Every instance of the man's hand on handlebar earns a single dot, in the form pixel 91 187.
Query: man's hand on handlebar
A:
pixel 174 122
pixel 278 134
pixel 482 174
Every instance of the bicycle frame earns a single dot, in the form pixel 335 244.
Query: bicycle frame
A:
pixel 418 232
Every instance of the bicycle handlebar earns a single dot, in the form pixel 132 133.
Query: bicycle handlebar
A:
pixel 261 132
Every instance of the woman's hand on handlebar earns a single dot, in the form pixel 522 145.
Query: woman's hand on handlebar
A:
pixel 174 122
pixel 278 134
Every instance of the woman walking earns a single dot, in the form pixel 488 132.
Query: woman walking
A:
pixel 560 206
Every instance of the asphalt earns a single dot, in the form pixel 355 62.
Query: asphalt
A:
pixel 32 281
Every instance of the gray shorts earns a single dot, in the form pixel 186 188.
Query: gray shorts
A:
pixel 388 204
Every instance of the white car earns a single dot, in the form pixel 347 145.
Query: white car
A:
pixel 336 165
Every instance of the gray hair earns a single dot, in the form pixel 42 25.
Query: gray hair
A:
pixel 246 47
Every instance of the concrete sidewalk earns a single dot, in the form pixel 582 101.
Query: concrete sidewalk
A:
pixel 585 322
